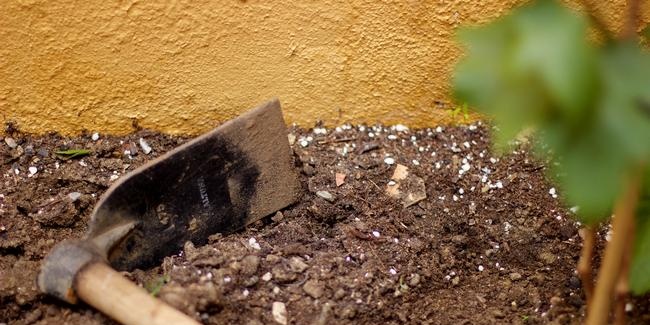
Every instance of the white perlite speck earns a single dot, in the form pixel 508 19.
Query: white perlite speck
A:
pixel 32 170
pixel 145 146
pixel 552 192
pixel 481 268
pixel 322 131
pixel 252 242
pixel 95 136
pixel 389 160
pixel 392 271
pixel 376 234
pixel 401 128
pixel 267 276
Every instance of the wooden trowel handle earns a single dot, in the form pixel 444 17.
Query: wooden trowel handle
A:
pixel 107 290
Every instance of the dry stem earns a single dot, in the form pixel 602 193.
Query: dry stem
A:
pixel 610 271
pixel 588 235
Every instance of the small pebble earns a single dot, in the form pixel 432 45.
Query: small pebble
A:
pixel 326 196
pixel 292 138
pixel 279 312
pixel 515 276
pixel 74 196
pixel 11 143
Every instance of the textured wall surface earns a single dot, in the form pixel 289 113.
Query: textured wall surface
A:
pixel 184 66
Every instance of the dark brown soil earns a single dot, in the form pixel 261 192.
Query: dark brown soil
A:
pixel 489 244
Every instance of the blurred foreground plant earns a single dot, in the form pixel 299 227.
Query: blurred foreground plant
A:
pixel 590 106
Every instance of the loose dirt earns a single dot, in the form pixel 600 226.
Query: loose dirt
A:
pixel 490 243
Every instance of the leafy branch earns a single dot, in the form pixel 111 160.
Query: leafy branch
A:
pixel 589 105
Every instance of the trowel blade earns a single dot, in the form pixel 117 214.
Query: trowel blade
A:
pixel 216 183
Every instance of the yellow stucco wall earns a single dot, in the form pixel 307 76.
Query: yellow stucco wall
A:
pixel 184 66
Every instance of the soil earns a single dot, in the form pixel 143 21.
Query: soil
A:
pixel 490 243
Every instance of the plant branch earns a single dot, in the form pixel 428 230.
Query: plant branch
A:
pixel 623 285
pixel 610 271
pixel 584 267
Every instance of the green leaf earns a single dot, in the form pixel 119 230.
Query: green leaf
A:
pixel 528 69
pixel 626 99
pixel 72 153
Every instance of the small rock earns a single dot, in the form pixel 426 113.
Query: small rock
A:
pixel 145 146
pixel 11 142
pixel 74 196
pixel 340 293
pixel 43 152
pixel 455 281
pixel 313 288
pixel 29 150
pixel 547 258
pixel 326 196
pixel 515 276
pixel 325 312
pixel 297 264
pixel 249 265
pixel 308 170
pixel 574 282
pixel 282 274
pixel 556 301
pixel 368 147
pixel 279 312
pixel 498 314
pixel 415 280
pixel 339 179
pixel 292 138
pixel 277 217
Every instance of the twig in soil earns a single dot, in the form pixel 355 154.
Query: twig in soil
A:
pixel 337 140
pixel 623 285
pixel 373 183
pixel 535 168
pixel 610 271
pixel 588 236
pixel 356 233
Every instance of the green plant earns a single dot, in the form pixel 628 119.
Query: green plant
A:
pixel 462 109
pixel 154 286
pixel 590 106
pixel 72 153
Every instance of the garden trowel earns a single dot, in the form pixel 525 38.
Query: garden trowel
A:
pixel 216 183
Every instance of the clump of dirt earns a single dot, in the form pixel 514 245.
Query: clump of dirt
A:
pixel 481 241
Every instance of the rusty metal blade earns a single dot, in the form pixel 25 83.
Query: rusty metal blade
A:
pixel 216 183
